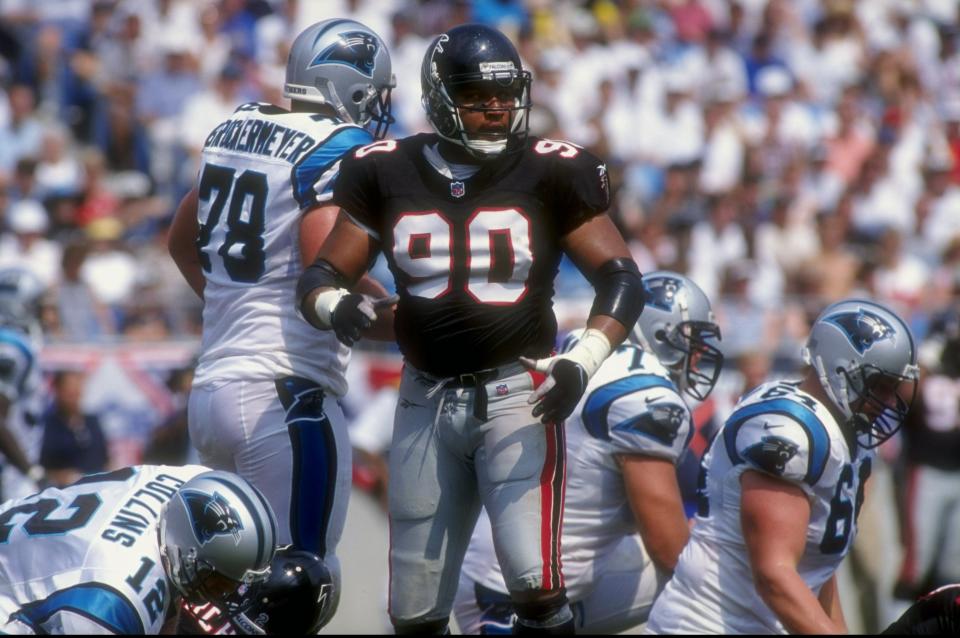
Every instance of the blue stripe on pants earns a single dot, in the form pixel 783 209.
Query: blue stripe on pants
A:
pixel 314 463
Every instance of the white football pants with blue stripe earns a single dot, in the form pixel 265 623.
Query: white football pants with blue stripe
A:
pixel 289 438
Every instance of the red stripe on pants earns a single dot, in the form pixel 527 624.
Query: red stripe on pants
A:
pixel 546 507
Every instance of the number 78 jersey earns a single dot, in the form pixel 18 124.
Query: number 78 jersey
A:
pixel 778 430
pixel 474 258
pixel 261 170
pixel 85 558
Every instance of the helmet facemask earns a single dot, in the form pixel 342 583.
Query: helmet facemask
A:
pixel 864 394
pixel 445 111
pixel 370 104
pixel 876 404
pixel 698 367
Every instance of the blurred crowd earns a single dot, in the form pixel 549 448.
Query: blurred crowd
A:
pixel 782 153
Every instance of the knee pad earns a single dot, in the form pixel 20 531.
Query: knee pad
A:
pixel 426 627
pixel 547 615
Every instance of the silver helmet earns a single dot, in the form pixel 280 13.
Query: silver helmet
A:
pixel 21 292
pixel 866 360
pixel 346 65
pixel 677 326
pixel 217 525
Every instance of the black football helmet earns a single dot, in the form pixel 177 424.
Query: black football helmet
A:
pixel 471 54
pixel 297 598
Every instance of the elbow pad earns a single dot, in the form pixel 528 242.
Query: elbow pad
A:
pixel 320 274
pixel 619 288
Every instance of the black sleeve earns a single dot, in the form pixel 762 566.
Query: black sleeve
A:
pixel 357 190
pixel 580 188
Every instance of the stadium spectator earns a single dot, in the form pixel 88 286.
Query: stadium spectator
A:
pixel 25 244
pixel 73 441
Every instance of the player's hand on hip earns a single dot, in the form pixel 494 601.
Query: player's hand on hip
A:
pixel 354 313
pixel 558 395
pixel 567 376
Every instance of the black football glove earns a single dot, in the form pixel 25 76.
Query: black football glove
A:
pixel 567 376
pixel 354 313
pixel 561 391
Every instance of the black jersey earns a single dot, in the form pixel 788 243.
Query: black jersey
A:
pixel 936 614
pixel 474 259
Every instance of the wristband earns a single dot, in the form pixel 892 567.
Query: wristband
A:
pixel 326 303
pixel 591 350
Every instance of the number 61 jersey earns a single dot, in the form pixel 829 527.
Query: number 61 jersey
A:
pixel 86 558
pixel 474 257
pixel 784 432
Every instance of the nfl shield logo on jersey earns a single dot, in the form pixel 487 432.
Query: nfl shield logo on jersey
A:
pixel 457 189
pixel 502 390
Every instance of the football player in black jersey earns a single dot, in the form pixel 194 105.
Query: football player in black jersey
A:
pixel 473 221
pixel 936 614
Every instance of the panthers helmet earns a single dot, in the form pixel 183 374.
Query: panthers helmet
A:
pixel 863 354
pixel 346 65
pixel 470 54
pixel 298 597
pixel 677 326
pixel 20 294
pixel 217 525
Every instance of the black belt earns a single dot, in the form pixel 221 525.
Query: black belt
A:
pixel 477 381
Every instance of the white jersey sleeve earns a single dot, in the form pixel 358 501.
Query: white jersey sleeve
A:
pixel 781 445
pixel 634 407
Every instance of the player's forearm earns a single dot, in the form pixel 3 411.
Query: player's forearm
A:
pixel 830 601
pixel 657 506
pixel 787 595
pixel 665 540
pixel 181 242
pixel 189 267
pixel 613 330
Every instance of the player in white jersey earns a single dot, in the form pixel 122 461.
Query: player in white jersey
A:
pixel 623 523
pixel 114 552
pixel 20 382
pixel 264 397
pixel 783 481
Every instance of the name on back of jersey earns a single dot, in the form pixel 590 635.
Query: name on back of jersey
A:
pixel 141 511
pixel 260 137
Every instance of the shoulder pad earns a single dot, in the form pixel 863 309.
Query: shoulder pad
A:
pixel 789 444
pixel 641 414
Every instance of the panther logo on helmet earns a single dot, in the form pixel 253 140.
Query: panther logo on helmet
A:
pixel 661 292
pixel 772 453
pixel 212 516
pixel 353 48
pixel 864 329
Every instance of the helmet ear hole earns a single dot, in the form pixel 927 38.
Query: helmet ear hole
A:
pixel 660 335
pixel 357 97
